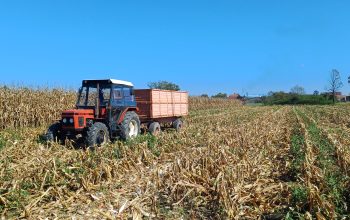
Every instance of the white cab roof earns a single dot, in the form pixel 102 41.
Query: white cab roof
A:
pixel 121 82
pixel 113 81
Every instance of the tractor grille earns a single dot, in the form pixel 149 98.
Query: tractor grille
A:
pixel 81 121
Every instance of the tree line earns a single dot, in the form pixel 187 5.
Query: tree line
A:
pixel 297 94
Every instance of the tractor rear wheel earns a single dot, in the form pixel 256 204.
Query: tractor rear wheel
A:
pixel 154 128
pixel 53 133
pixel 178 124
pixel 130 126
pixel 97 135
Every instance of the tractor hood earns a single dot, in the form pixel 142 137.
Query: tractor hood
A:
pixel 72 112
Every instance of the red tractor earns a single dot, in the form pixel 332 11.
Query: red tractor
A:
pixel 108 109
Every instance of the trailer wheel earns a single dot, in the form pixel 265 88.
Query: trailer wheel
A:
pixel 178 124
pixel 53 132
pixel 154 128
pixel 97 135
pixel 130 126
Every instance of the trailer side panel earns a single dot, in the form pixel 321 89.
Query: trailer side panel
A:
pixel 157 104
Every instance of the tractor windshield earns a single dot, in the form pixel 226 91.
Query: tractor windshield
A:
pixel 88 95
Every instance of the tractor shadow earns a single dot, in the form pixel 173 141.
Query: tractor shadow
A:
pixel 77 143
pixel 80 144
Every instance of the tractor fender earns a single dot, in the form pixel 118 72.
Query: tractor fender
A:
pixel 122 115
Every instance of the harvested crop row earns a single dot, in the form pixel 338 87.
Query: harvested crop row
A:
pixel 331 114
pixel 338 133
pixel 323 177
pixel 225 174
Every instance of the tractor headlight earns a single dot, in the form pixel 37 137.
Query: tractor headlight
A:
pixel 64 120
pixel 71 120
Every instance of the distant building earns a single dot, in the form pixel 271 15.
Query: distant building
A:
pixel 235 96
pixel 339 96
pixel 345 98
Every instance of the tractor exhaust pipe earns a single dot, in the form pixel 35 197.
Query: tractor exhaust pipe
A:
pixel 97 106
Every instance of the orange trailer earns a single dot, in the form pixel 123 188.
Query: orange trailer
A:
pixel 157 106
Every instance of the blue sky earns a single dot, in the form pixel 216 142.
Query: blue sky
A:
pixel 204 46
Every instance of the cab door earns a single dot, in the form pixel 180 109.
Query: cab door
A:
pixel 117 106
pixel 122 97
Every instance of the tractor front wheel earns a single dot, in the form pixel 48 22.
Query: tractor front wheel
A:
pixel 97 135
pixel 130 126
pixel 53 133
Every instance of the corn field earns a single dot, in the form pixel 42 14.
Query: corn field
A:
pixel 24 107
pixel 230 162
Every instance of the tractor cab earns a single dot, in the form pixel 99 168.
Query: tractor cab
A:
pixel 104 93
pixel 99 100
pixel 101 107
pixel 99 95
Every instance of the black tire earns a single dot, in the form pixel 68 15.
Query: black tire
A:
pixel 125 132
pixel 154 128
pixel 97 135
pixel 53 133
pixel 178 124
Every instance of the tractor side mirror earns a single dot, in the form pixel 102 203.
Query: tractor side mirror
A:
pixel 132 92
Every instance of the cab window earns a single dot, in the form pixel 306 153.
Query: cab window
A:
pixel 117 93
pixel 128 95
pixel 117 96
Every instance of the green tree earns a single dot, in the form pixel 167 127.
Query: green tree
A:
pixel 220 95
pixel 298 90
pixel 163 85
